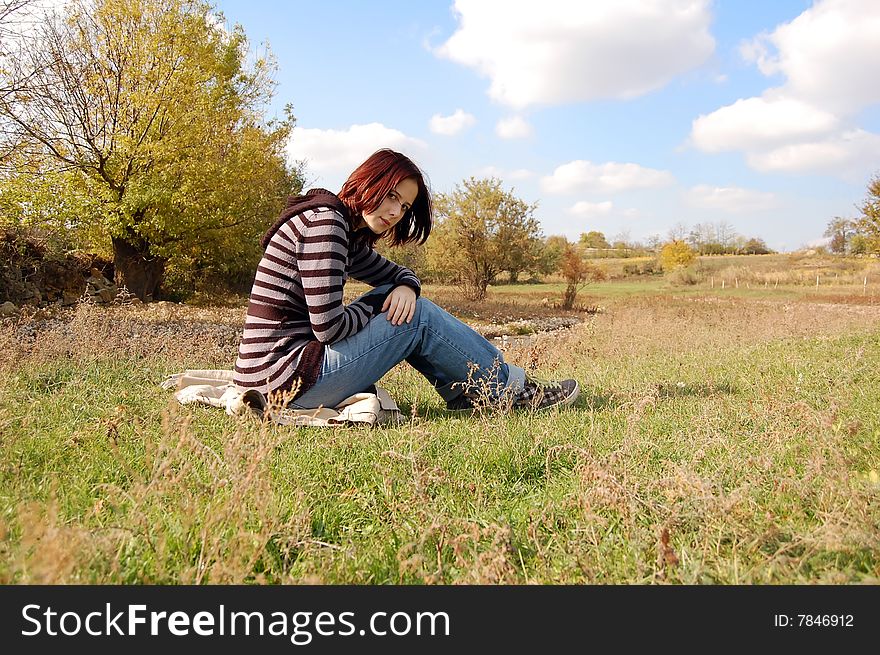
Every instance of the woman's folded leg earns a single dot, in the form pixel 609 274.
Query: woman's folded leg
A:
pixel 447 352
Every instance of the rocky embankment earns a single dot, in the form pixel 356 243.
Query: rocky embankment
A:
pixel 525 327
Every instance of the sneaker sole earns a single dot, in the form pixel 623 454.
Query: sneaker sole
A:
pixel 572 396
pixel 461 410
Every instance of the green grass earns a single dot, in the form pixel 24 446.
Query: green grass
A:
pixel 750 436
pixel 659 286
pixel 615 288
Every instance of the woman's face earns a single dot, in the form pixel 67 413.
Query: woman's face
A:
pixel 396 204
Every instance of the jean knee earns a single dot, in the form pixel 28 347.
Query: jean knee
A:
pixel 425 310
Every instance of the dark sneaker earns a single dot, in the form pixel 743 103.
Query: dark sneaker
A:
pixel 534 395
pixel 541 395
pixel 462 403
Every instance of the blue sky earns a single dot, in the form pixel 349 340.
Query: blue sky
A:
pixel 628 117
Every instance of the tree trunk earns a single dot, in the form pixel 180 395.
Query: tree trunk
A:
pixel 570 295
pixel 140 272
pixel 474 288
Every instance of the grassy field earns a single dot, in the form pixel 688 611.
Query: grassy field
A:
pixel 723 436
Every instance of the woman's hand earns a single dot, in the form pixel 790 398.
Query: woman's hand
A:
pixel 400 305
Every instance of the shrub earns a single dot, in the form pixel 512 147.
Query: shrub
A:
pixel 676 254
pixel 644 268
pixel 686 276
pixel 577 273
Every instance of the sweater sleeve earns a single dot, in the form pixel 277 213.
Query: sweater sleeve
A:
pixel 321 251
pixel 369 266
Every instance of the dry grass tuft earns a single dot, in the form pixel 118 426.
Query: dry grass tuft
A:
pixel 188 512
pixel 207 338
pixel 47 551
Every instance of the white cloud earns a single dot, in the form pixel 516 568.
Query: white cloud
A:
pixel 514 127
pixel 759 123
pixel 341 151
pixel 827 54
pixel 521 174
pixel 590 209
pixel 755 51
pixel 560 51
pixel 583 176
pixel 502 174
pixel 451 125
pixel 846 154
pixel 490 171
pixel 828 57
pixel 730 199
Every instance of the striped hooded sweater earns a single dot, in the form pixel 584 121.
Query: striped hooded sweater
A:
pixel 296 306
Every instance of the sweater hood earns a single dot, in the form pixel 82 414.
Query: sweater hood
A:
pixel 312 199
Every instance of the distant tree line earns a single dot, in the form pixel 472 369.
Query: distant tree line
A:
pixel 704 238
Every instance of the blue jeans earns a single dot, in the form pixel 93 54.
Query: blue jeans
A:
pixel 447 352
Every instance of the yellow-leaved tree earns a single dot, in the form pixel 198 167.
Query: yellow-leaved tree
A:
pixel 676 254
pixel 869 223
pixel 151 111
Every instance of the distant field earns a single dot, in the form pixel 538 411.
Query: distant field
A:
pixel 722 437
pixel 772 277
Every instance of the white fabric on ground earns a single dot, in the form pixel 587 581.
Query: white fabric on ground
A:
pixel 215 387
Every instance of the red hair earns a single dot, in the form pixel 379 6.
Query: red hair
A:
pixel 371 182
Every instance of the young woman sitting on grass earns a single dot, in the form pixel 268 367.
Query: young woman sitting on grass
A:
pixel 300 337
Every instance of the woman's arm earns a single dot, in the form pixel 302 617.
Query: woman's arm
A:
pixel 321 249
pixel 369 266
